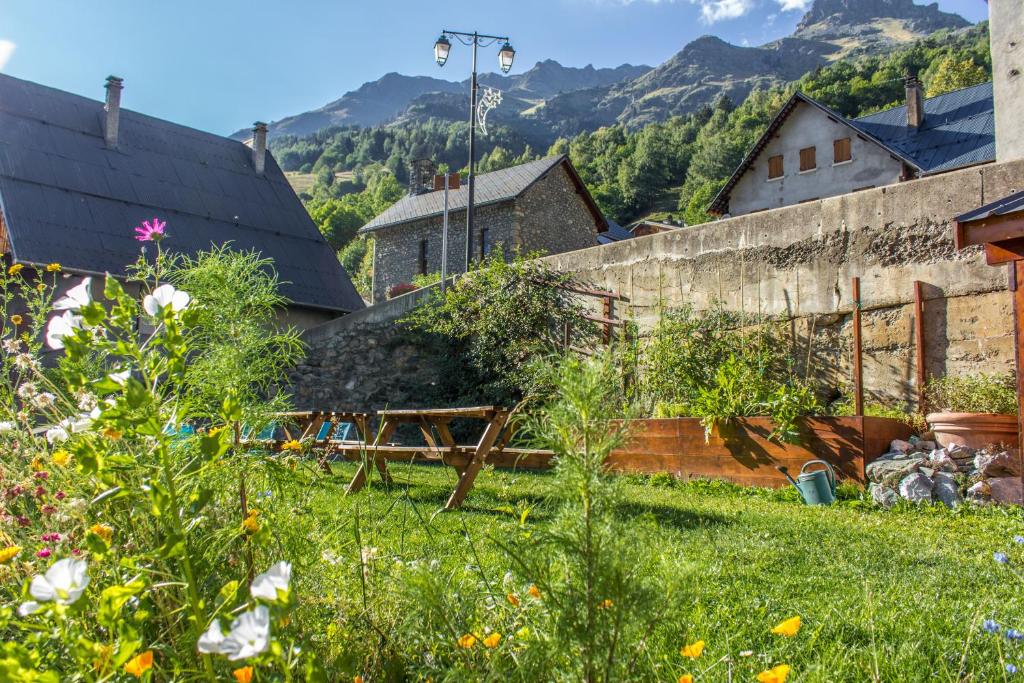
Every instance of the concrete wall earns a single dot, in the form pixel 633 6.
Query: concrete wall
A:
pixel 807 126
pixel 1006 27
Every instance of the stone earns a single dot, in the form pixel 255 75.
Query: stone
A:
pixel 916 487
pixel 900 446
pixel 924 445
pixel 1006 490
pixel 883 495
pixel 980 492
pixel 946 490
pixel 1000 464
pixel 892 467
pixel 940 460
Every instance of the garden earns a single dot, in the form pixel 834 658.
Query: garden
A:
pixel 146 535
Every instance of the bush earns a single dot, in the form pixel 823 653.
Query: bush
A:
pixel 973 394
pixel 400 289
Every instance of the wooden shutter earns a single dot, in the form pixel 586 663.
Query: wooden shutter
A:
pixel 423 257
pixel 841 150
pixel 808 159
pixel 775 167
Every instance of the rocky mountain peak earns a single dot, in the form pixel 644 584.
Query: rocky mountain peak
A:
pixel 847 13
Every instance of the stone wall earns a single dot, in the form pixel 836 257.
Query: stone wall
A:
pixel 552 217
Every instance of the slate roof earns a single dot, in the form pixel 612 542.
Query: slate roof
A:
pixel 491 188
pixel 67 198
pixel 958 131
pixel 614 233
pixel 1010 204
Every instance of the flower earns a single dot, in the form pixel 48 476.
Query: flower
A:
pixel 52 537
pixel 164 296
pixel 150 231
pixel 1011 668
pixel 606 604
pixel 61 457
pixel 112 434
pixel 9 553
pixel 120 377
pixel 467 641
pixel 52 267
pixel 1013 634
pixel 15 269
pixel 291 445
pixel 693 650
pixel 1001 558
pixel 78 296
pixel 139 664
pixel 250 525
pixel 686 678
pixel 243 675
pixel 16 319
pixel 776 674
pixel 44 553
pixel 523 633
pixel 534 592
pixel 357 679
pixel 55 434
pixel 103 531
pixel 41 287
pixel 273 584
pixel 990 626
pixel 787 628
pixel 492 640
pixel 62 326
pixel 63 583
pixel 513 599
pixel 6 426
pixel 249 636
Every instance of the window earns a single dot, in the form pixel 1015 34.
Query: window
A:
pixel 484 246
pixel 808 159
pixel 841 151
pixel 775 167
pixel 423 257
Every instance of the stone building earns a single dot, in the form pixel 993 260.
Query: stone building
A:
pixel 538 206
pixel 810 152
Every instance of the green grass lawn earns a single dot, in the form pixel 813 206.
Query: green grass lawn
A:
pixel 886 596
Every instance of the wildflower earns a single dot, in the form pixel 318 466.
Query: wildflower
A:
pixel 248 637
pixel 121 377
pixel 513 599
pixel 492 640
pixel 52 537
pixel 150 231
pixel 359 679
pixel 40 491
pixel 78 296
pixel 1011 668
pixel 60 327
pixel 139 664
pixel 16 319
pixel 6 426
pixel 273 584
pixel 523 633
pixel 1014 634
pixel 63 583
pixel 23 520
pixel 24 361
pixel 164 296
pixel 11 345
pixel 1001 558
pixel 1019 540
pixel 291 445
pixel 41 287
pixel 747 653
pixel 27 390
pixel 44 553
pixel 42 474
pixel 103 531
pixel 990 626
pixel 9 553
pixel 467 641
pixel 606 604
pixel 533 592
pixel 243 675
pixel 15 269
pixel 56 434
pixel 787 628
pixel 112 434
pixel 36 464
pixel 693 650
pixel 44 400
pixel 686 678
pixel 48 509
pixel 61 457
pixel 60 495
pixel 250 525
pixel 776 674
pixel 53 268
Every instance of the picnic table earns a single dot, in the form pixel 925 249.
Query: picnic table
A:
pixel 467 460
pixel 321 426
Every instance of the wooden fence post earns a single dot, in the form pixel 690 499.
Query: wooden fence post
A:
pixel 858 371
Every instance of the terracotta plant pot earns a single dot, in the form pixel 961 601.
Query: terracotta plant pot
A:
pixel 974 430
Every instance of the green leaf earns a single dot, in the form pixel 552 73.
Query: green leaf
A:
pixel 215 443
pixel 112 599
pixel 112 289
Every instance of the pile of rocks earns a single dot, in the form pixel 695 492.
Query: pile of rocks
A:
pixel 918 471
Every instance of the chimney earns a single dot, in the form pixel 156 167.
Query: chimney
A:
pixel 113 108
pixel 421 176
pixel 259 146
pixel 1006 28
pixel 915 100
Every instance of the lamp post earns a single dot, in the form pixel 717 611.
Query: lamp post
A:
pixel 505 57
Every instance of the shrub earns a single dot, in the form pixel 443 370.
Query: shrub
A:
pixel 400 289
pixel 973 394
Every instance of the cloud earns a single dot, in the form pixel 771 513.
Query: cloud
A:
pixel 790 5
pixel 717 10
pixel 6 50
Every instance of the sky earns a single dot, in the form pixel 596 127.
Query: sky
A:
pixel 219 65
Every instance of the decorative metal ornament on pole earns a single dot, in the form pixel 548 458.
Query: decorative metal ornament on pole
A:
pixel 490 100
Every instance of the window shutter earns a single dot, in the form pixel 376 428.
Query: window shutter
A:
pixel 808 159
pixel 841 149
pixel 775 167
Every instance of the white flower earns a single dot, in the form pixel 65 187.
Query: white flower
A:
pixel 120 377
pixel 249 636
pixel 56 434
pixel 27 390
pixel 6 427
pixel 44 400
pixel 63 583
pixel 24 361
pixel 11 345
pixel 163 296
pixel 273 583
pixel 78 296
pixel 60 327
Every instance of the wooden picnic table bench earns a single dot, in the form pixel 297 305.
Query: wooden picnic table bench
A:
pixel 467 460
pixel 301 425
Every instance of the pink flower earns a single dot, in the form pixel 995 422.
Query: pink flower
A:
pixel 42 475
pixel 60 495
pixel 150 231
pixel 53 537
pixel 48 509
pixel 24 521
pixel 44 553
pixel 40 491
pixel 76 552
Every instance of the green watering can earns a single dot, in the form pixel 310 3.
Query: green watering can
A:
pixel 817 487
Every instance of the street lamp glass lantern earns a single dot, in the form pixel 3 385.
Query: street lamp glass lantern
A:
pixel 441 49
pixel 505 57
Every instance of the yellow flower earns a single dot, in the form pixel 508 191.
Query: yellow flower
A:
pixel 776 674
pixel 534 592
pixel 112 434
pixel 16 319
pixel 9 553
pixel 686 678
pixel 103 531
pixel 523 633
pixel 292 445
pixel 492 640
pixel 139 664
pixel 693 650
pixel 606 604
pixel 788 628
pixel 36 464
pixel 513 599
pixel 357 679
pixel 250 525
pixel 15 269
pixel 41 287
pixel 61 458
pixel 243 675
pixel 53 268
pixel 467 641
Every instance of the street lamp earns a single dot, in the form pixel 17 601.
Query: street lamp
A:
pixel 506 55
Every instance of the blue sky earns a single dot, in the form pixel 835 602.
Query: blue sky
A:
pixel 218 65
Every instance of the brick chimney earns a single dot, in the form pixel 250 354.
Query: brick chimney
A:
pixel 1006 28
pixel 112 120
pixel 915 101
pixel 259 147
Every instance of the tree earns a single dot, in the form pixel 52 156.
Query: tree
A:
pixel 953 73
